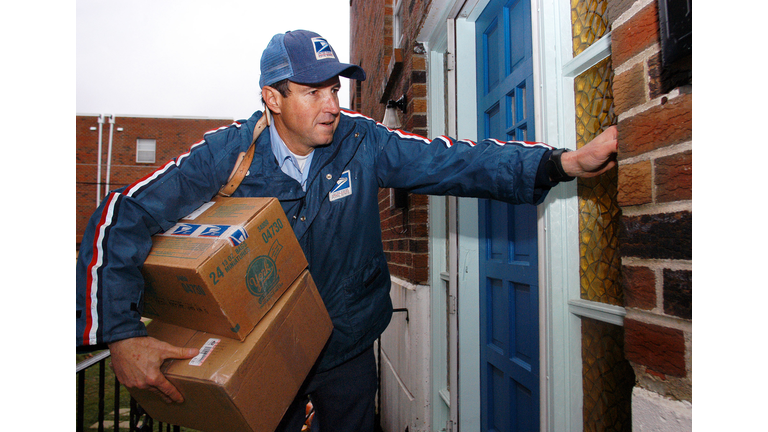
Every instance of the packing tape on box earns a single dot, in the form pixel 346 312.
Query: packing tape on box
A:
pixel 235 234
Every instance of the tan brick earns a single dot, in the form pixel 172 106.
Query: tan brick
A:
pixel 629 89
pixel 420 106
pixel 419 62
pixel 419 90
pixel 635 184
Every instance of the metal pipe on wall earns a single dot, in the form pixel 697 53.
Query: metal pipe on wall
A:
pixel 109 153
pixel 98 163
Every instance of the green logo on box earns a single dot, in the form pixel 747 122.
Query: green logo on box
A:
pixel 261 278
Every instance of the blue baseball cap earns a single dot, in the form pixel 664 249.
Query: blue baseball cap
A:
pixel 304 57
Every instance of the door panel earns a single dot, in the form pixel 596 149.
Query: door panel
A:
pixel 508 234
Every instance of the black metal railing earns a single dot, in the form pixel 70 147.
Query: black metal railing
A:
pixel 138 419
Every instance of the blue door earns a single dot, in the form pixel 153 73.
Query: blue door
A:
pixel 509 339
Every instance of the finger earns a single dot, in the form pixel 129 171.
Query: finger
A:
pixel 164 388
pixel 175 352
pixel 607 136
pixel 169 393
pixel 162 395
pixel 612 134
pixel 189 352
pixel 182 353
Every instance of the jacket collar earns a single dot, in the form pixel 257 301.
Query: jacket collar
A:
pixel 327 167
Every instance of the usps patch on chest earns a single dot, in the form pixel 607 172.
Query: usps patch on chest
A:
pixel 343 187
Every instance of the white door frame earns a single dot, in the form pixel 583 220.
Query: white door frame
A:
pixel 560 327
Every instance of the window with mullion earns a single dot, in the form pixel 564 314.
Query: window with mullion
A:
pixel 607 377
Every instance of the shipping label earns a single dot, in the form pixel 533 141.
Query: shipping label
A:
pixel 205 351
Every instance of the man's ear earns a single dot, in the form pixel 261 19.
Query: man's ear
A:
pixel 272 98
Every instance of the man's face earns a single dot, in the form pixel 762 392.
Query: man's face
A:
pixel 308 117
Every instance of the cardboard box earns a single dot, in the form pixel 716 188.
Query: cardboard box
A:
pixel 220 269
pixel 248 385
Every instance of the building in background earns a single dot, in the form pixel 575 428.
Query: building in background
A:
pixel 573 315
pixel 129 148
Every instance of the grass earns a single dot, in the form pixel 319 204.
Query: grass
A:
pixel 91 400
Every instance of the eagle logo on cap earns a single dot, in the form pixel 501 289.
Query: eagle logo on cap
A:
pixel 322 48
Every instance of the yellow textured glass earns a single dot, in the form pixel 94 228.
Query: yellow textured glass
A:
pixel 599 212
pixel 608 378
pixel 589 19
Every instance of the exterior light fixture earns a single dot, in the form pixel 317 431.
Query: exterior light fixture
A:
pixel 391 117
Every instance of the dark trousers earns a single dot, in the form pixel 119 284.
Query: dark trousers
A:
pixel 343 398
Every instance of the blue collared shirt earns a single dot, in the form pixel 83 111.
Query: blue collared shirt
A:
pixel 288 162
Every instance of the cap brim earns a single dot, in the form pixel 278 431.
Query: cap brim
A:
pixel 324 72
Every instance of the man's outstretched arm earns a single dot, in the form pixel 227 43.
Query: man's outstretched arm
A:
pixel 595 158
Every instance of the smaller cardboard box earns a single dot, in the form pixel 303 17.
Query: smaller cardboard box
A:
pixel 221 268
pixel 243 386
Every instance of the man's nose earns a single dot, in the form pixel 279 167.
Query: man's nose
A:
pixel 331 103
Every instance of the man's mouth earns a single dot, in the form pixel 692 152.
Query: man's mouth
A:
pixel 328 123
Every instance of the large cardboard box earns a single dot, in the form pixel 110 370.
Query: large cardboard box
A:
pixel 243 386
pixel 221 268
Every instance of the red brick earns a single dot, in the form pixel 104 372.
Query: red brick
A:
pixel 418 200
pixel 396 245
pixel 635 35
pixel 398 270
pixel 420 261
pixel 371 21
pixel 418 220
pixel 659 348
pixel 639 284
pixel 398 258
pixel 173 136
pixel 420 275
pixel 674 177
pixel 658 127
pixel 635 184
pixel 420 246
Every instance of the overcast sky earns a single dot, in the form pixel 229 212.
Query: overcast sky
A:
pixel 186 58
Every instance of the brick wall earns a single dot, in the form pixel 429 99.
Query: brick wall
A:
pixel 173 136
pixel 655 193
pixel 391 75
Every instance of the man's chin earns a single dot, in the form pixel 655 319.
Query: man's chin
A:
pixel 325 139
pixel 323 143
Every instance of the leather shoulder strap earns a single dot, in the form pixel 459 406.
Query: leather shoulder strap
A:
pixel 244 160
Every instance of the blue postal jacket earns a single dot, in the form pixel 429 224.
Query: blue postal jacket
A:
pixel 336 220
